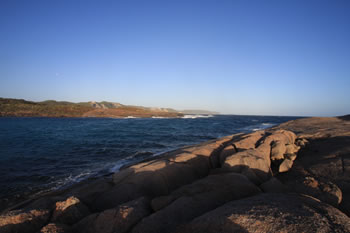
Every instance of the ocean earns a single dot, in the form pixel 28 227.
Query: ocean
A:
pixel 42 154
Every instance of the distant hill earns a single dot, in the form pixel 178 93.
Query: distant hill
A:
pixel 52 108
pixel 199 112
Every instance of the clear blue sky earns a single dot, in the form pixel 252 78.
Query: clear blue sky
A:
pixel 239 57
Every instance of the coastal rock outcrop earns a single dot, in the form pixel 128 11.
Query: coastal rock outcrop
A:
pixel 294 177
pixel 161 176
pixel 55 228
pixel 271 213
pixel 193 200
pixel 69 211
pixel 119 219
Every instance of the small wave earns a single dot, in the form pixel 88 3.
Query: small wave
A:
pixel 196 116
pixel 159 117
pixel 258 127
pixel 129 117
pixel 119 164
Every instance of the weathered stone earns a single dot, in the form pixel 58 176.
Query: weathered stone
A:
pixel 251 175
pixel 278 148
pixel 291 149
pixel 290 156
pixel 29 219
pixel 192 200
pixel 301 142
pixel 161 176
pixel 88 191
pixel 273 185
pixel 271 212
pixel 325 191
pixel 249 141
pixel 285 136
pixel 227 151
pixel 23 221
pixel 69 211
pixel 55 228
pixel 160 202
pixel 252 159
pixel 119 219
pixel 285 165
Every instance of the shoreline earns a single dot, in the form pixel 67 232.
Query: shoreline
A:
pixel 108 171
pixel 267 163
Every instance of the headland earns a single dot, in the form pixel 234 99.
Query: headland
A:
pixel 52 108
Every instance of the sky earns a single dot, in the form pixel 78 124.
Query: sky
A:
pixel 235 57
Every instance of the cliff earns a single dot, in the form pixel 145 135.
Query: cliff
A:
pixel 290 178
pixel 51 108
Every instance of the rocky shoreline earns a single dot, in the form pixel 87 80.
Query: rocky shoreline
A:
pixel 294 177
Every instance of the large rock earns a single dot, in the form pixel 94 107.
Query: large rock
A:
pixel 29 219
pixel 119 219
pixel 55 228
pixel 323 190
pixel 271 213
pixel 162 175
pixel 249 141
pixel 23 221
pixel 88 191
pixel 273 185
pixel 252 159
pixel 278 148
pixel 286 165
pixel 285 136
pixel 226 152
pixel 195 199
pixel 325 156
pixel 69 211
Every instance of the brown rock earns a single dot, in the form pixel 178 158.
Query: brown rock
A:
pixel 23 221
pixel 285 165
pixel 249 141
pixel 278 148
pixel 30 218
pixel 88 191
pixel 323 190
pixel 195 199
pixel 271 212
pixel 55 228
pixel 290 156
pixel 291 149
pixel 252 159
pixel 273 185
pixel 160 176
pixel 285 136
pixel 160 202
pixel 69 211
pixel 251 175
pixel 119 219
pixel 326 155
pixel 227 151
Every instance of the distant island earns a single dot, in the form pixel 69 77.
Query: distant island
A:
pixel 52 108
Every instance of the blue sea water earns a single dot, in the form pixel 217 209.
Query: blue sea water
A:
pixel 40 154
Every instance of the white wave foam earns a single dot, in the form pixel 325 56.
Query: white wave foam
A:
pixel 159 117
pixel 196 116
pixel 258 126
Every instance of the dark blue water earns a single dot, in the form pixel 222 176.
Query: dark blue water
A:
pixel 39 154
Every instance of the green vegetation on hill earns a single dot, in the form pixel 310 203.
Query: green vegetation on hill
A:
pixel 23 108
pixel 52 108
